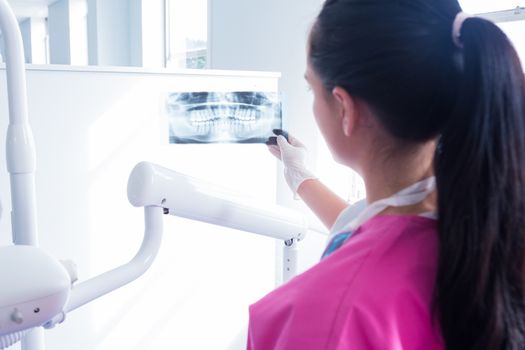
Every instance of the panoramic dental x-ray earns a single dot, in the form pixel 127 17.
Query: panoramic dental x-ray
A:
pixel 222 117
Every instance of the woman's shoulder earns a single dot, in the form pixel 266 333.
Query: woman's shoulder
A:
pixel 401 240
pixel 395 236
pixel 392 293
pixel 387 248
pixel 403 257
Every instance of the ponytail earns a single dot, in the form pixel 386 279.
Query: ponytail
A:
pixel 480 173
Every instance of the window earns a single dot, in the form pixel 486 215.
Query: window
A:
pixel 187 34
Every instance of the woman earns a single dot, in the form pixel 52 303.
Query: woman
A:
pixel 405 90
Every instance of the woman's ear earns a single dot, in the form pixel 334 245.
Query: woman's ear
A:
pixel 347 109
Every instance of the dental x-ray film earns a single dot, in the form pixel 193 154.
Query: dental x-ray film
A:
pixel 223 117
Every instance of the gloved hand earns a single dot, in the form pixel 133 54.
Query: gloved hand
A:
pixel 293 155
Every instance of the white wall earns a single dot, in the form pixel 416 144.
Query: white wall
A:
pixel 90 129
pixel 271 35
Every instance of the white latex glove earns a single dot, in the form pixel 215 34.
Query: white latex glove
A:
pixel 293 156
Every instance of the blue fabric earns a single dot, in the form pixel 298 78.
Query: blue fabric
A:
pixel 335 243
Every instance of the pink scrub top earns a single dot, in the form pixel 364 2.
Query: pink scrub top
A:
pixel 374 292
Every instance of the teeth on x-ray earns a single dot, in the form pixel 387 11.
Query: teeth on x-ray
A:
pixel 208 117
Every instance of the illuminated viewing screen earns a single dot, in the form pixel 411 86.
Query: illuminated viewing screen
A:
pixel 223 117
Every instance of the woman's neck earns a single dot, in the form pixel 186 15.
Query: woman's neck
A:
pixel 383 178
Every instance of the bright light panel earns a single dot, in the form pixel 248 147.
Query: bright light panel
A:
pixel 484 6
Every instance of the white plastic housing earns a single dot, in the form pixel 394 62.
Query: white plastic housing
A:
pixel 184 196
pixel 35 287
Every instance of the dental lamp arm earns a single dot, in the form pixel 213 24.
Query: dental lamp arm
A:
pixel 187 197
pixel 159 190
pixel 184 196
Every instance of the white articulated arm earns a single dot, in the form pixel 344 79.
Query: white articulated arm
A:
pixel 187 197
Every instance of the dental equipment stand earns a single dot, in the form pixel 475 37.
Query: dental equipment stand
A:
pixel 40 289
